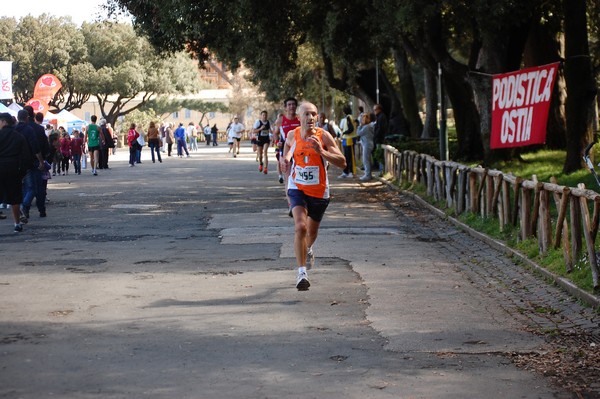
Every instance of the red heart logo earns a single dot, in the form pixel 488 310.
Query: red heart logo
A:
pixel 47 80
pixel 36 105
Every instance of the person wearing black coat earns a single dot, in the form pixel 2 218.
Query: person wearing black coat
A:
pixel 15 160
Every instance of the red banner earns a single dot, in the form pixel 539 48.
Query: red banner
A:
pixel 520 106
pixel 46 87
pixel 38 105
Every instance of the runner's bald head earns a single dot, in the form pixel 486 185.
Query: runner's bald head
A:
pixel 304 106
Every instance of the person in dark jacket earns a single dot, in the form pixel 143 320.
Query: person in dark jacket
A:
pixel 15 160
pixel 40 183
pixel 214 131
pixel 29 180
pixel 380 130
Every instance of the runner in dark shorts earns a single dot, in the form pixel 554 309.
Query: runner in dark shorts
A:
pixel 262 130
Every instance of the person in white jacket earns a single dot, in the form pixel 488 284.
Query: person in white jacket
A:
pixel 366 133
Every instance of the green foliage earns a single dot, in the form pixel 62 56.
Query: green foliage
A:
pixel 545 164
pixel 106 60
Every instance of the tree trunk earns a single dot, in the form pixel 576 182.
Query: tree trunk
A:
pixel 430 129
pixel 482 87
pixel 459 91
pixel 388 97
pixel 466 118
pixel 581 88
pixel 407 92
pixel 543 47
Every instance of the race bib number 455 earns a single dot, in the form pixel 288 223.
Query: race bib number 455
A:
pixel 308 176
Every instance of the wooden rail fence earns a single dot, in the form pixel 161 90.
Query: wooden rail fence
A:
pixel 558 216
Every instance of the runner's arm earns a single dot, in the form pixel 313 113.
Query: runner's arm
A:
pixel 331 152
pixel 284 161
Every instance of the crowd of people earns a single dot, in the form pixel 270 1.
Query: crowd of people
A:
pixel 48 151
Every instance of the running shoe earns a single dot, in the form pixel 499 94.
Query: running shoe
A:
pixel 265 171
pixel 260 167
pixel 302 283
pixel 280 179
pixel 19 228
pixel 310 258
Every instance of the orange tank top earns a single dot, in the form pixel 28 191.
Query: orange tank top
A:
pixel 309 168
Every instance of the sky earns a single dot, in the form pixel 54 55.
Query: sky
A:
pixel 79 10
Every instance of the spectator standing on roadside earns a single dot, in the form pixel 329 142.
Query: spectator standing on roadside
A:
pixel 92 137
pixel 132 136
pixel 113 149
pixel 65 150
pixel 107 143
pixel 53 155
pixel 348 127
pixel 214 131
pixel 154 141
pixel 169 138
pixel 192 135
pixel 76 151
pixel 380 130
pixel 163 137
pixel 181 145
pixel 15 159
pixel 207 134
pixel 324 124
pixel 44 144
pixel 361 112
pixel 141 144
pixel 30 181
pixel 366 134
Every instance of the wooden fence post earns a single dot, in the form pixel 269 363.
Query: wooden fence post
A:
pixel 473 197
pixel 430 181
pixel 575 216
pixel 545 227
pixel 450 180
pixel 489 196
pixel 506 204
pixel 587 233
pixel 562 227
pixel 439 182
pixel 536 207
pixel 526 230
pixel 516 200
pixel 462 190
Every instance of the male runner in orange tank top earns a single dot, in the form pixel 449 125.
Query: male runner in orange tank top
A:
pixel 306 153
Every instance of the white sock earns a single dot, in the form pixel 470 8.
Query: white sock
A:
pixel 302 269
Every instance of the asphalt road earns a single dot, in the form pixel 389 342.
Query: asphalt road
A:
pixel 176 280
